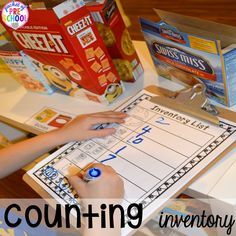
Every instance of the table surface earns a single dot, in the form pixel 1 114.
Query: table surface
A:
pixel 19 105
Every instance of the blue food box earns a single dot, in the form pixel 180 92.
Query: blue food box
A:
pixel 190 50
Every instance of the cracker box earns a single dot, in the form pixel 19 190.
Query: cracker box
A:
pixel 22 68
pixel 190 50
pixel 115 35
pixel 68 49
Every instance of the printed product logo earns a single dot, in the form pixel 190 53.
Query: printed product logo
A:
pixel 48 42
pixel 109 11
pixel 184 60
pixel 15 14
pixel 172 34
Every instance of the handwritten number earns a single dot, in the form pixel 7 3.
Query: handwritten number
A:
pixel 162 121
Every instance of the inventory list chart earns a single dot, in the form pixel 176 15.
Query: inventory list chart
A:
pixel 152 151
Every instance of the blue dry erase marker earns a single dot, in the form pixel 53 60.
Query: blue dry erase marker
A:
pixel 92 174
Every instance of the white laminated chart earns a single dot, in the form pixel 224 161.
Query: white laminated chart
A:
pixel 157 151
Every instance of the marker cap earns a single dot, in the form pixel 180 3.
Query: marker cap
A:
pixel 92 174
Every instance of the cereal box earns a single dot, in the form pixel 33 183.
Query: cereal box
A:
pixel 115 35
pixel 190 50
pixel 21 67
pixel 3 40
pixel 68 49
pixel 4 68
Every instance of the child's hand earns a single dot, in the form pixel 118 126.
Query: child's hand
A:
pixel 81 128
pixel 106 189
pixel 108 186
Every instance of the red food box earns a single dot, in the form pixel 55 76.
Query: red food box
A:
pixel 116 36
pixel 67 47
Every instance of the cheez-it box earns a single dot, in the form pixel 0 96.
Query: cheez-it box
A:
pixel 67 47
pixel 116 37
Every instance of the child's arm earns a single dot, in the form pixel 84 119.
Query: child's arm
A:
pixel 81 128
pixel 107 189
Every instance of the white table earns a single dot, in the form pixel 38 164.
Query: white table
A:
pixel 17 105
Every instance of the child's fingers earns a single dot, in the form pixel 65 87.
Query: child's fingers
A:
pixel 100 166
pixel 102 132
pixel 105 112
pixel 109 114
pixel 110 169
pixel 79 185
pixel 104 168
pixel 105 120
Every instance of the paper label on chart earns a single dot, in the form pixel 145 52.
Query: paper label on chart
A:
pixel 49 119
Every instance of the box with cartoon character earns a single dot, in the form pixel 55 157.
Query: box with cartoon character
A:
pixel 21 67
pixel 66 46
pixel 4 68
pixel 189 51
pixel 3 40
pixel 116 37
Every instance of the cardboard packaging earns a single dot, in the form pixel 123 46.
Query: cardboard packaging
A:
pixel 67 48
pixel 116 37
pixel 4 68
pixel 190 50
pixel 21 67
pixel 3 40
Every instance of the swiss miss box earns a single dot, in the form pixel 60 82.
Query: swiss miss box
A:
pixel 190 50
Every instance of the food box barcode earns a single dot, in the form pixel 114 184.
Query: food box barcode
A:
pixel 97 17
pixel 137 71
